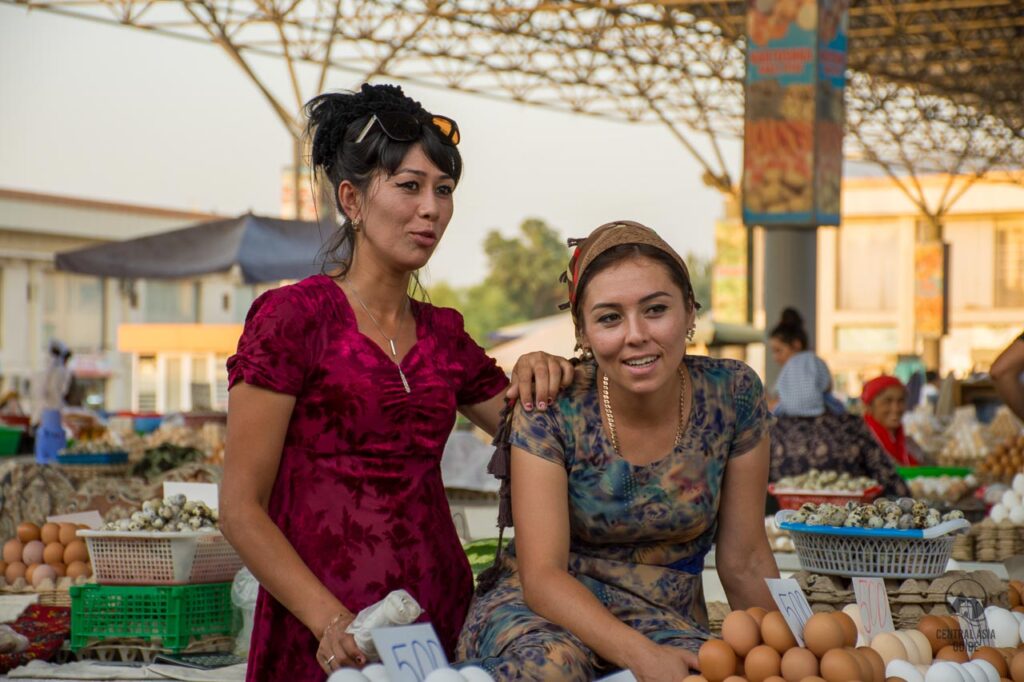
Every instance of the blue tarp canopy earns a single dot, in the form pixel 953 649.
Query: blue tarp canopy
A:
pixel 264 249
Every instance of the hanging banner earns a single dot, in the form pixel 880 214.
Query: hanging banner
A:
pixel 931 261
pixel 793 138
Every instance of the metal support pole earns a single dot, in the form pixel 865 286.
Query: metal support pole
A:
pixel 790 280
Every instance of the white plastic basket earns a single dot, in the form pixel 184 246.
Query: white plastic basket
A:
pixel 157 558
pixel 873 553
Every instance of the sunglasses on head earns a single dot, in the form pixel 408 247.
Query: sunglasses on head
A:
pixel 403 127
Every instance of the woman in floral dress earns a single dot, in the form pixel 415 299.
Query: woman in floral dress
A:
pixel 621 488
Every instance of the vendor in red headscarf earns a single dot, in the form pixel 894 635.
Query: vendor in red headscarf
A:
pixel 885 400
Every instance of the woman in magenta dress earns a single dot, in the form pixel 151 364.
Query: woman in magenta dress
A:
pixel 343 393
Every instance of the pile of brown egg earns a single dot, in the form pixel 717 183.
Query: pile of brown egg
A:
pixel 758 646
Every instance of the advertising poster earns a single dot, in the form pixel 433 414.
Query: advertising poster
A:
pixel 792 150
pixel 930 261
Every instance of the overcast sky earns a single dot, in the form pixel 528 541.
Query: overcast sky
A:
pixel 105 112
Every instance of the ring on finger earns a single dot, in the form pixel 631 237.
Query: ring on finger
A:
pixel 328 661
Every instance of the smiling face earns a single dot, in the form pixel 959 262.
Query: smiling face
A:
pixel 888 406
pixel 403 216
pixel 634 318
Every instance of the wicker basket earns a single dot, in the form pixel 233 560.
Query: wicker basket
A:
pixel 879 553
pixel 158 558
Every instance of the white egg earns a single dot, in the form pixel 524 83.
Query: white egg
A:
pixel 913 653
pixel 445 675
pixel 999 513
pixel 378 673
pixel 474 674
pixel 347 675
pixel 943 671
pixel 976 673
pixel 1010 499
pixel 1018 484
pixel 1016 515
pixel 1004 625
pixel 987 668
pixel 853 611
pixel 905 671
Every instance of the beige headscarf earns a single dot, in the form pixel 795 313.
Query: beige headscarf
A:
pixel 606 237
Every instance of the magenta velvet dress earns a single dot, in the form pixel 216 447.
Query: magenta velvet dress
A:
pixel 359 492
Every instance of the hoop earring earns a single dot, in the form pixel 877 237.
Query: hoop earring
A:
pixel 690 333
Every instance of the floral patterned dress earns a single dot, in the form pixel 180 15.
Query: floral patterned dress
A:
pixel 358 492
pixel 638 534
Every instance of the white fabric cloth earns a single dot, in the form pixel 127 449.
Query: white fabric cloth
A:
pixel 398 608
pixel 464 463
pixel 97 670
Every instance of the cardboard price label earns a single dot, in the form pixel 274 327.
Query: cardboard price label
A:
pixel 873 601
pixel 409 652
pixel 792 604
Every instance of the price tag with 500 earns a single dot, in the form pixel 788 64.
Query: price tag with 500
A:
pixel 792 603
pixel 873 601
pixel 409 652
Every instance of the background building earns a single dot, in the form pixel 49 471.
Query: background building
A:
pixel 138 344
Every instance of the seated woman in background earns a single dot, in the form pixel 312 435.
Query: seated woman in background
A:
pixel 623 485
pixel 885 401
pixel 787 342
pixel 806 435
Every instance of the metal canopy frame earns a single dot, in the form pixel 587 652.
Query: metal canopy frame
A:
pixel 935 85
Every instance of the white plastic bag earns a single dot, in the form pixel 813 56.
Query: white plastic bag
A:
pixel 398 608
pixel 244 590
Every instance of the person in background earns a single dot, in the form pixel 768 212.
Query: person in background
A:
pixel 885 401
pixel 343 391
pixel 788 341
pixel 621 487
pixel 806 435
pixel 51 385
pixel 1007 374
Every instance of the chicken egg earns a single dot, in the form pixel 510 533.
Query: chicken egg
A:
pixel 875 661
pixel 76 569
pixel 952 653
pixel 33 552
pixel 904 671
pixel 717 660
pixel 990 670
pixel 924 647
pixel 943 671
pixel 932 627
pixel 849 627
pixel 761 663
pixel 1016 667
pixel 822 632
pixel 798 663
pixel 839 665
pixel 15 570
pixel 49 532
pixel 43 572
pixel 994 658
pixel 13 550
pixel 776 633
pixel 66 533
pixel 76 551
pixel 472 673
pixel 27 532
pixel 973 673
pixel 53 553
pixel 757 613
pixel 740 631
pixel 890 648
pixel 913 655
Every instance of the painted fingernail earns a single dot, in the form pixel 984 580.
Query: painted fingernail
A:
pixel 528 406
pixel 541 405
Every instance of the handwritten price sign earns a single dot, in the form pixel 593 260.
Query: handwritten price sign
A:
pixel 792 603
pixel 873 601
pixel 409 652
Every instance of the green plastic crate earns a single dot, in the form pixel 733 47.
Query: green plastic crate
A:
pixel 908 473
pixel 168 616
pixel 10 438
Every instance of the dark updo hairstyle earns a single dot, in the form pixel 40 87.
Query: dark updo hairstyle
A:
pixel 622 252
pixel 790 329
pixel 335 120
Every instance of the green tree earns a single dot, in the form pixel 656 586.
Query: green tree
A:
pixel 700 278
pixel 521 283
pixel 527 268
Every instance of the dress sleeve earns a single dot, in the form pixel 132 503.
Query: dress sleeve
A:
pixel 478 375
pixel 540 434
pixel 752 418
pixel 272 352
